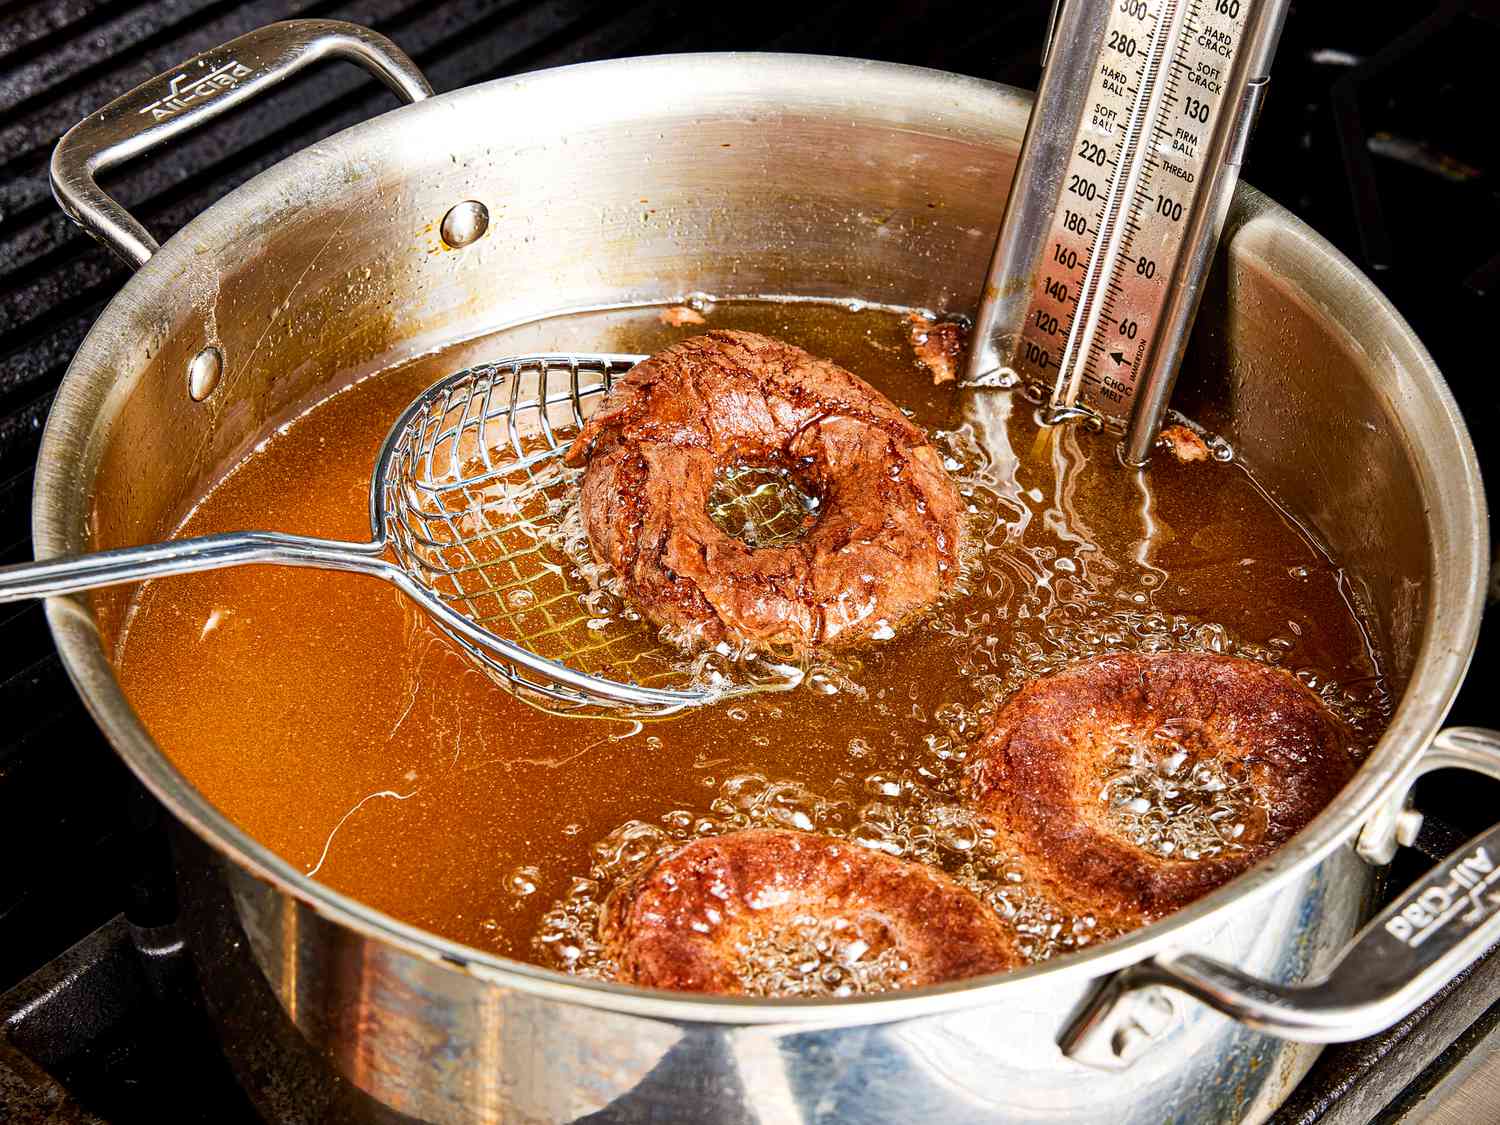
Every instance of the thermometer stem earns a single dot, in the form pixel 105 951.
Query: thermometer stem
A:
pixel 1121 190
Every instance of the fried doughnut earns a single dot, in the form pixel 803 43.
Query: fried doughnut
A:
pixel 1072 762
pixel 886 538
pixel 705 918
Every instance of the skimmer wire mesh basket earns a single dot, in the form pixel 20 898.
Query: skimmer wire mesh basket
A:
pixel 477 508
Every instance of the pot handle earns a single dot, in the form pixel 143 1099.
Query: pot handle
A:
pixel 199 90
pixel 1425 938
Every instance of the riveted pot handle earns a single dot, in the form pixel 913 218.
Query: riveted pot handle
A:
pixel 1425 938
pixel 195 92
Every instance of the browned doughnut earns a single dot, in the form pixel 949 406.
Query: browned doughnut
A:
pixel 886 539
pixel 693 922
pixel 1040 770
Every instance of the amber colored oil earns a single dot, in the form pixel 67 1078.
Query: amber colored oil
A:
pixel 330 720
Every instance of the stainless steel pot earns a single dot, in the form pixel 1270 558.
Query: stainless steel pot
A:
pixel 643 180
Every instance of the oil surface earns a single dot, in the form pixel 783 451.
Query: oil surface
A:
pixel 330 720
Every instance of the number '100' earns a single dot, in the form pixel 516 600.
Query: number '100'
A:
pixel 1036 354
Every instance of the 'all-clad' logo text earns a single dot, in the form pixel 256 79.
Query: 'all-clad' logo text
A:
pixel 188 89
pixel 1463 891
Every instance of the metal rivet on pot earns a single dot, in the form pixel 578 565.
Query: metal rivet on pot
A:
pixel 465 223
pixel 1129 1041
pixel 204 372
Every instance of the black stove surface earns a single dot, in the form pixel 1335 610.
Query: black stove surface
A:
pixel 1369 134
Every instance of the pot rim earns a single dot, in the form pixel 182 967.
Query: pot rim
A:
pixel 1448 637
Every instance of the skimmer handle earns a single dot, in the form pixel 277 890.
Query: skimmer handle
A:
pixel 199 90
pixel 74 573
pixel 1421 941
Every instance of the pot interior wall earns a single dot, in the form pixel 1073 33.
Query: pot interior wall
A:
pixel 602 193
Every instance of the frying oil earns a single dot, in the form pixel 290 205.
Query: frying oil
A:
pixel 328 718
